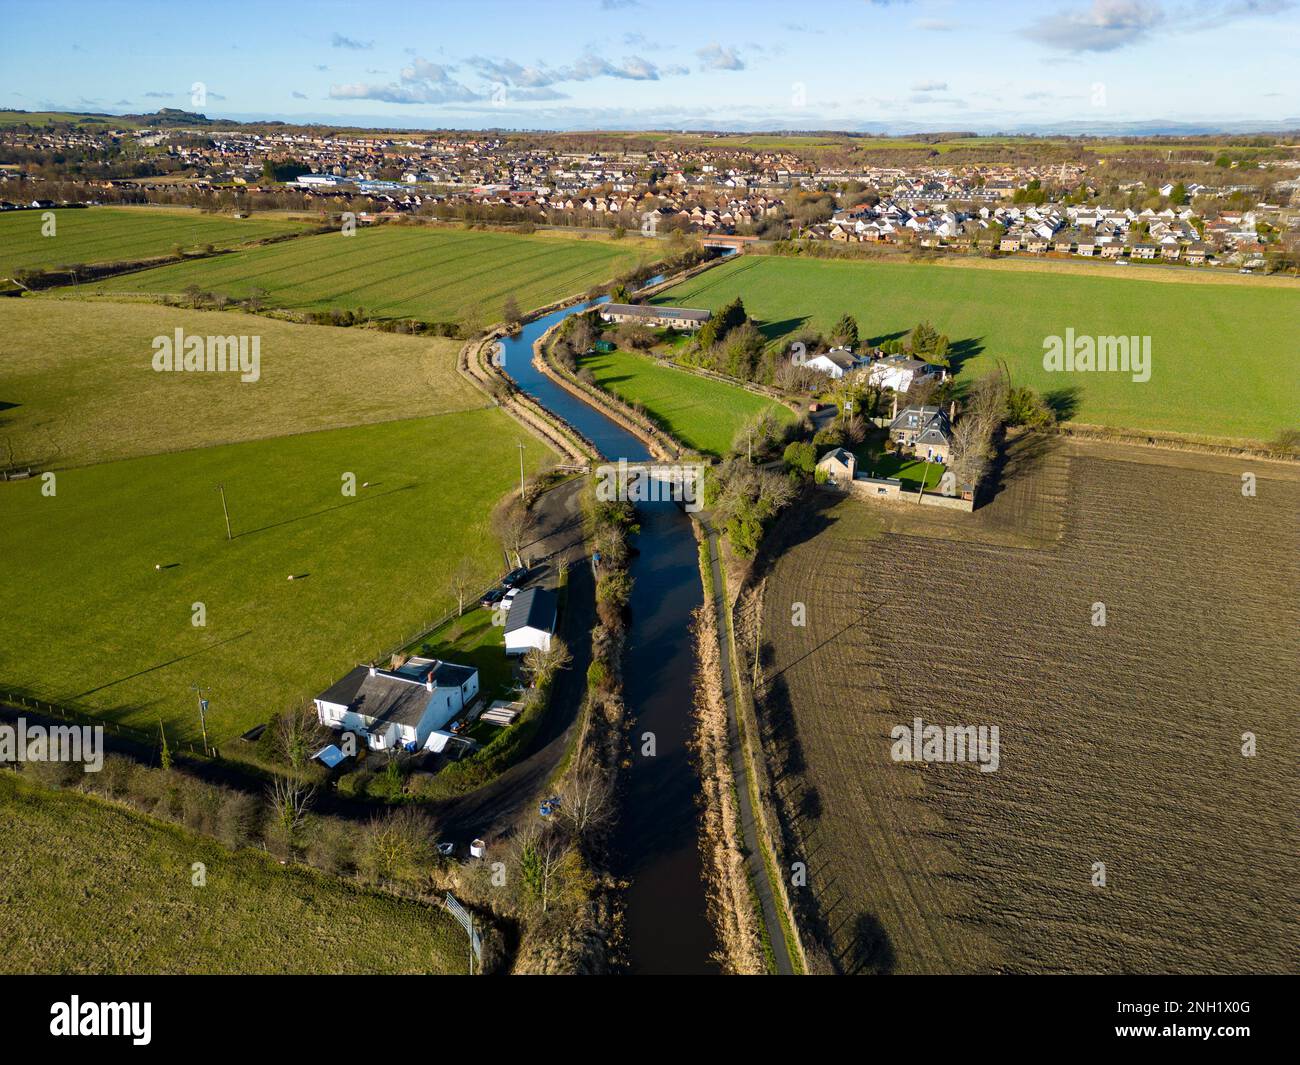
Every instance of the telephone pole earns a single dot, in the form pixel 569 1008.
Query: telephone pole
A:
pixel 222 489
pixel 203 713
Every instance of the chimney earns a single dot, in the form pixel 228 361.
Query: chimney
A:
pixel 428 681
pixel 372 669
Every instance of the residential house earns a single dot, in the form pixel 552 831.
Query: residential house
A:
pixel 925 431
pixel 840 466
pixel 899 373
pixel 835 363
pixel 405 708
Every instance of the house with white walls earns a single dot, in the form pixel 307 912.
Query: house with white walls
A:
pixel 405 708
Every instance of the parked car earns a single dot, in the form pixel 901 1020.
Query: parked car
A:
pixel 492 598
pixel 515 576
pixel 508 600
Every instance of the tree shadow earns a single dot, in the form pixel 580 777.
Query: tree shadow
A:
pixel 783 327
pixel 871 951
pixel 1064 402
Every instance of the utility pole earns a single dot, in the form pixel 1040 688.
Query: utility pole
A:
pixel 520 445
pixel 203 713
pixel 222 489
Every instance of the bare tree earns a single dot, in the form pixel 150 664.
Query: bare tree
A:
pixel 543 663
pixel 462 583
pixel 398 847
pixel 587 800
pixel 290 801
pixel 550 869
pixel 513 525
pixel 298 733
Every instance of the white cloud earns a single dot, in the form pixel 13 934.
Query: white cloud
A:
pixel 715 57
pixel 340 41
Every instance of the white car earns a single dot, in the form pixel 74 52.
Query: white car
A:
pixel 508 600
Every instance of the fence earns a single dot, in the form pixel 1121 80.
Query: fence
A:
pixel 21 701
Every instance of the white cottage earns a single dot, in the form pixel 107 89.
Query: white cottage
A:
pixel 408 707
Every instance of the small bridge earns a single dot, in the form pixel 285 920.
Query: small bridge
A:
pixel 725 240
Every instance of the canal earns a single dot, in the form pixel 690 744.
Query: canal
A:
pixel 656 846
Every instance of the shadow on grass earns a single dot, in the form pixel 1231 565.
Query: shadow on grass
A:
pixel 164 665
pixel 325 510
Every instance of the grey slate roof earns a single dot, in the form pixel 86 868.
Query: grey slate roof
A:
pixel 533 608
pixel 648 310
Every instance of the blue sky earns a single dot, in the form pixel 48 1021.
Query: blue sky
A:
pixel 845 64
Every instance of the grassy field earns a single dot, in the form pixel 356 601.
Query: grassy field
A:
pixel 77 383
pixel 406 272
pixel 109 891
pixel 112 234
pixel 1223 357
pixel 703 414
pixel 94 624
pixel 1118 744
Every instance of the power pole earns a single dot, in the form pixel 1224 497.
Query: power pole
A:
pixel 203 713
pixel 520 445
pixel 222 489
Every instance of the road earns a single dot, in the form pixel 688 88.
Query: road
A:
pixel 740 770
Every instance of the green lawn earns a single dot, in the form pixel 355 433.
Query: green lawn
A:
pixel 405 272
pixel 110 234
pixel 472 640
pixel 703 414
pixel 91 887
pixel 86 618
pixel 77 382
pixel 908 470
pixel 1223 356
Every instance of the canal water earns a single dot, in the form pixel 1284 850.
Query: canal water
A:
pixel 656 847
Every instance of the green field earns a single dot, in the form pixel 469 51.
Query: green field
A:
pixel 90 887
pixel 113 234
pixel 405 272
pixel 1223 356
pixel 703 414
pixel 92 623
pixel 77 382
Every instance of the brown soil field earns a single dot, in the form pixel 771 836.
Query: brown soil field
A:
pixel 1119 744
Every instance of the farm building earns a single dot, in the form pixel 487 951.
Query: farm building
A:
pixel 662 317
pixel 403 708
pixel 531 621
pixel 925 431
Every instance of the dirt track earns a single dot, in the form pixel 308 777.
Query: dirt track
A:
pixel 1119 744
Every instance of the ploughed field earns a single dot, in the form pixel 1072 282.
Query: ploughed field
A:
pixel 117 234
pixel 1223 356
pixel 436 275
pixel 1119 744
